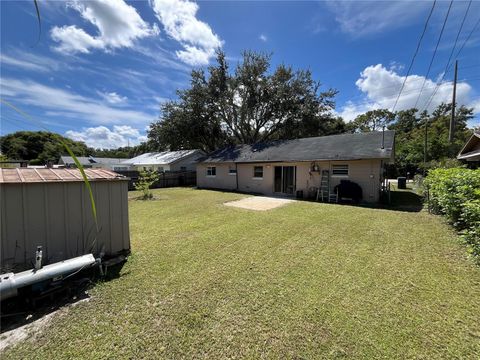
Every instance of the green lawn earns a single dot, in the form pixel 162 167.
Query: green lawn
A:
pixel 304 281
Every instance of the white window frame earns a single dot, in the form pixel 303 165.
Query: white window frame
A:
pixel 257 177
pixel 212 170
pixel 232 171
pixel 341 165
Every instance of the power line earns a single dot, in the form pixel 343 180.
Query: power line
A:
pixel 416 52
pixel 435 51
pixel 447 66
pixel 417 89
pixel 468 38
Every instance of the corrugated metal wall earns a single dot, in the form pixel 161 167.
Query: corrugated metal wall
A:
pixel 58 216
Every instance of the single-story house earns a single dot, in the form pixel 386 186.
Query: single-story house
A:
pixel 94 162
pixel 471 151
pixel 181 160
pixel 309 166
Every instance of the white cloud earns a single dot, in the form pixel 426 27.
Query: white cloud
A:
pixel 118 25
pixel 263 37
pixel 28 61
pixel 104 138
pixel 179 20
pixel 126 130
pixel 359 18
pixel 380 87
pixel 112 97
pixel 61 102
pixel 194 56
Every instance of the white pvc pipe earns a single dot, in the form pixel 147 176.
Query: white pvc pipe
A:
pixel 10 283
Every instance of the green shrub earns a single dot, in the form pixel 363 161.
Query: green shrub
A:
pixel 450 189
pixel 471 216
pixel 145 182
pixel 455 193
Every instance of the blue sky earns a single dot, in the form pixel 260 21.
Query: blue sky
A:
pixel 100 69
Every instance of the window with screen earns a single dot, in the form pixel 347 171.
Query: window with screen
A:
pixel 258 172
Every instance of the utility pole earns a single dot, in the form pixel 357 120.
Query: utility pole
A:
pixel 452 120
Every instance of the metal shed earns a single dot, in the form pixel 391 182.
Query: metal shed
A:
pixel 51 208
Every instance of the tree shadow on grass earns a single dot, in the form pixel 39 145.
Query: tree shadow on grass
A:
pixel 403 200
pixel 400 200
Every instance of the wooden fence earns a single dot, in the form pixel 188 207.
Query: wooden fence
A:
pixel 167 178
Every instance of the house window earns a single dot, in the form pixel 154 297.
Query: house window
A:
pixel 183 168
pixel 232 170
pixel 258 172
pixel 340 170
pixel 211 171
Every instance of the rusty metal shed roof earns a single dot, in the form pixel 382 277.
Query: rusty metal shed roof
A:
pixel 29 175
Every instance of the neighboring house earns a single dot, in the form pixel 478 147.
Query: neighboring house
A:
pixel 94 162
pixel 471 150
pixel 165 161
pixel 308 165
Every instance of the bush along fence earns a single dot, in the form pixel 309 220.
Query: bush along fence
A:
pixel 455 193
pixel 165 179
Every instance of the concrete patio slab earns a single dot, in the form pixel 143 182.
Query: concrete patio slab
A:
pixel 259 203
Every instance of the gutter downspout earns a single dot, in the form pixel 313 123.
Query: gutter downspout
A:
pixel 236 174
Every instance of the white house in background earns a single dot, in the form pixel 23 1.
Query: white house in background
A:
pixel 165 161
pixel 471 151
pixel 94 162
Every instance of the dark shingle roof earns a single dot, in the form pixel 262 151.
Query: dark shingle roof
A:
pixel 89 160
pixel 334 147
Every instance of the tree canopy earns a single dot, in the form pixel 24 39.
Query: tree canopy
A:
pixel 247 105
pixel 410 127
pixel 373 120
pixel 39 146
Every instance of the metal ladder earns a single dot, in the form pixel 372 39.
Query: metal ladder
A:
pixel 323 192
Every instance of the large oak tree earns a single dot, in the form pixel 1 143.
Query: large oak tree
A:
pixel 247 105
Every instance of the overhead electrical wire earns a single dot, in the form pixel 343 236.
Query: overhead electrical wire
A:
pixel 415 54
pixel 468 38
pixel 448 65
pixel 435 51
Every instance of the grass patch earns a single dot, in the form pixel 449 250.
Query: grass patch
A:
pixel 306 280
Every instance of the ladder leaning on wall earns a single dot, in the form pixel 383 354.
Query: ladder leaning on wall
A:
pixel 323 192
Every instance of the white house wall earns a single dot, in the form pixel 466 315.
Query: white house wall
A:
pixel 366 173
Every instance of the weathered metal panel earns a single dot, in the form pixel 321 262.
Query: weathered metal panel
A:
pixel 34 212
pixel 56 220
pixel 58 216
